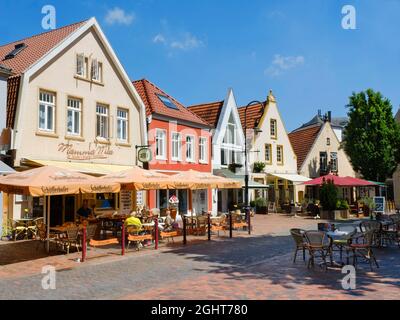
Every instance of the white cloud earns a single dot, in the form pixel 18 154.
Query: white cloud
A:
pixel 119 16
pixel 280 64
pixel 159 38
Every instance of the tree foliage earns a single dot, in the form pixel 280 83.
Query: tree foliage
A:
pixel 372 136
pixel 328 195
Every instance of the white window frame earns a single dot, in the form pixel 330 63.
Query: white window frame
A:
pixel 268 147
pixel 274 135
pixel 47 104
pixel 97 71
pixel 334 159
pixel 74 109
pixel 178 141
pixel 81 65
pixel 120 121
pixel 203 150
pixel 101 115
pixel 192 145
pixel 163 147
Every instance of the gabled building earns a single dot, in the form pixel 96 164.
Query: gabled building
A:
pixel 269 145
pixel 70 104
pixel 227 146
pixel 180 141
pixel 319 152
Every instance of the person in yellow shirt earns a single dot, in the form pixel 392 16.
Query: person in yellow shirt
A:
pixel 133 221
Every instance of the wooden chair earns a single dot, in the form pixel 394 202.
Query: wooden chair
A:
pixel 72 239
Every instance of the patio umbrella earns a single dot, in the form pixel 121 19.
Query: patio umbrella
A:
pixel 203 180
pixel 139 179
pixel 49 181
pixel 339 181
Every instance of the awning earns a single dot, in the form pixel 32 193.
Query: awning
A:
pixel 226 173
pixel 90 168
pixel 295 178
pixel 5 169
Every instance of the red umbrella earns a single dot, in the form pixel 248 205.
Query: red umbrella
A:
pixel 339 181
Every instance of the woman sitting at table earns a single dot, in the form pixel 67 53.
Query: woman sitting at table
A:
pixel 133 221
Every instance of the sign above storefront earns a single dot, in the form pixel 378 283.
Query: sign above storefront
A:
pixel 94 151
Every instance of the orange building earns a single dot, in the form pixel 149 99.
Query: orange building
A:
pixel 180 141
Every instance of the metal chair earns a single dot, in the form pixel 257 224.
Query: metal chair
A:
pixel 300 242
pixel 376 228
pixel 362 250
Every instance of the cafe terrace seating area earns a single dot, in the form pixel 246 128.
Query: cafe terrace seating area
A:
pixel 355 243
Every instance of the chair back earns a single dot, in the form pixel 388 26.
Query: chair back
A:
pixel 91 231
pixel 369 237
pixel 72 233
pixel 38 221
pixel 41 231
pixel 298 236
pixel 316 238
pixel 373 226
pixel 133 229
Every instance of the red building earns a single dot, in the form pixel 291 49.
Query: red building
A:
pixel 180 141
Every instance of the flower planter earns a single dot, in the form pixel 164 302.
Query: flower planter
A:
pixel 262 210
pixel 335 214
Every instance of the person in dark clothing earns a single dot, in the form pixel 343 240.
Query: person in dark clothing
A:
pixel 85 212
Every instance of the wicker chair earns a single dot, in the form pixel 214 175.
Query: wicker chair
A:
pixel 362 250
pixel 33 227
pixel 41 235
pixel 300 242
pixel 18 228
pixel 318 245
pixel 376 228
pixel 72 239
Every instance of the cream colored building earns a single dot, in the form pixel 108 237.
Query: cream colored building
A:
pixel 74 106
pixel 269 143
pixel 319 153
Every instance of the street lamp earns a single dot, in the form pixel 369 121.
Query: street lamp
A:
pixel 246 176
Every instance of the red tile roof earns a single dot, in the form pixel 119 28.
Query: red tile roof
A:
pixel 36 48
pixel 302 142
pixel 148 93
pixel 254 114
pixel 209 112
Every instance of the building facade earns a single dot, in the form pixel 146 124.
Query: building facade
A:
pixel 71 104
pixel 180 141
pixel 270 146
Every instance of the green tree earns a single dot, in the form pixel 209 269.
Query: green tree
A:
pixel 328 195
pixel 372 136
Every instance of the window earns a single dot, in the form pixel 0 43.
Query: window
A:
pixel 323 161
pixel 97 70
pixel 81 65
pixel 102 114
pixel 190 148
pixel 328 141
pixel 74 112
pixel 47 109
pixel 230 135
pixel 203 150
pixel 122 125
pixel 273 129
pixel 279 154
pixel 334 161
pixel 224 157
pixel 161 144
pixel 176 146
pixel 167 102
pixel 229 156
pixel 268 153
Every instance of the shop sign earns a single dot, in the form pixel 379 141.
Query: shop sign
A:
pixel 93 152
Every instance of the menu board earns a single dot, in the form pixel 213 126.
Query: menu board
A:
pixel 139 198
pixel 125 201
pixel 379 204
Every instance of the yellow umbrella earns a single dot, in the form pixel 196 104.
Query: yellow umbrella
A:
pixel 203 180
pixel 139 179
pixel 50 181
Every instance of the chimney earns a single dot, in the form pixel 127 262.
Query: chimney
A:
pixel 330 116
pixel 4 74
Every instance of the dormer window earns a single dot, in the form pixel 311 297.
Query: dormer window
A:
pixel 17 49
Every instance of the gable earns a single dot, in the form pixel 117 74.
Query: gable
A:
pixel 302 142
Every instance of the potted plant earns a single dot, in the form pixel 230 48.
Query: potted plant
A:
pixel 344 208
pixel 233 166
pixel 261 205
pixel 259 167
pixel 329 197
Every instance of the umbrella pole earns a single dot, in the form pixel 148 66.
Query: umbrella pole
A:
pixel 47 204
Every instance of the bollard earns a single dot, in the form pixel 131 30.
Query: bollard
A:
pixel 156 233
pixel 123 239
pixel 209 227
pixel 84 244
pixel 184 231
pixel 230 226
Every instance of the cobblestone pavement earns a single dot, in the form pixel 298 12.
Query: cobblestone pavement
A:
pixel 255 267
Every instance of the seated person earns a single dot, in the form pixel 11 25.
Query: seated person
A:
pixel 85 212
pixel 133 221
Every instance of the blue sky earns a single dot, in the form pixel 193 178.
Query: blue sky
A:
pixel 197 49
